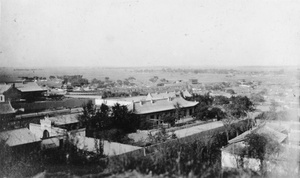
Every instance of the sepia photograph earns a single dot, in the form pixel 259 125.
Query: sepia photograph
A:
pixel 150 88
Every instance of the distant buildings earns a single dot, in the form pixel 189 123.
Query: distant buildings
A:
pixel 193 81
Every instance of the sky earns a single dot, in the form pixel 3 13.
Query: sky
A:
pixel 116 33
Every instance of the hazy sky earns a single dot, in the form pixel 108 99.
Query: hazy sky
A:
pixel 149 32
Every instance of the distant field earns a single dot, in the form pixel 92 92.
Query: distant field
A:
pixel 122 73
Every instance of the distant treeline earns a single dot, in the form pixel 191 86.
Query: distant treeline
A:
pixel 212 71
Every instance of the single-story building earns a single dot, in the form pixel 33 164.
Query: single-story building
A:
pixel 8 92
pixel 20 140
pixel 154 108
pixel 30 90
pixel 54 130
pixel 231 153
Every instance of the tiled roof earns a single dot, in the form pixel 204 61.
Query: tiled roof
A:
pixel 64 119
pixel 186 93
pixel 161 95
pixel 265 129
pixel 29 87
pixel 4 88
pixel 6 108
pixel 18 137
pixel 157 105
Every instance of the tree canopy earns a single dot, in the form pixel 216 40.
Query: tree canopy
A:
pixel 112 123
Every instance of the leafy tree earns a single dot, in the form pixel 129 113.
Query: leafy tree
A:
pixel 111 124
pixel 240 106
pixel 205 102
pixel 230 91
pixel 261 147
pixel 221 100
pixel 170 120
pixel 235 110
pixel 131 78
pixel 160 136
pixel 178 113
pixel 119 82
pixel 215 113
pixel 124 119
pixel 273 106
pixel 227 121
pixel 102 118
pixel 87 114
pixel 145 124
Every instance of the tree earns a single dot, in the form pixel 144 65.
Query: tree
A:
pixel 221 100
pixel 214 113
pixel 178 113
pixel 110 124
pixel 124 119
pixel 273 106
pixel 261 147
pixel 87 114
pixel 205 102
pixel 230 91
pixel 160 136
pixel 170 120
pixel 227 122
pixel 102 117
pixel 240 106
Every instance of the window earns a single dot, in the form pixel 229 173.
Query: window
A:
pixel 1 98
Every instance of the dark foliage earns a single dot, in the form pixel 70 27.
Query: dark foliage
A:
pixel 170 120
pixel 240 106
pixel 221 100
pixel 75 80
pixel 230 91
pixel 124 120
pixel 178 158
pixel 110 124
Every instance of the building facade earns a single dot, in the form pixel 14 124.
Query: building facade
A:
pixel 8 92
